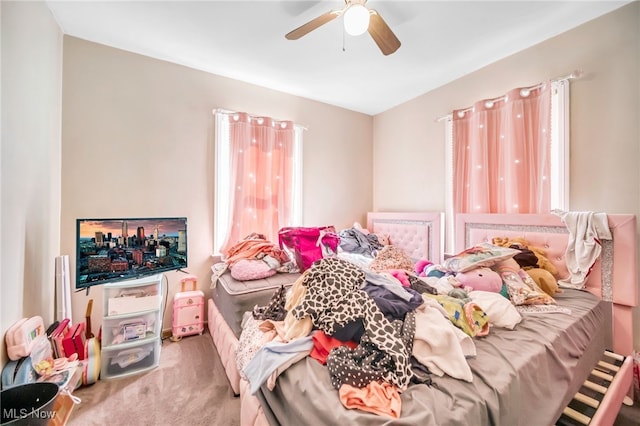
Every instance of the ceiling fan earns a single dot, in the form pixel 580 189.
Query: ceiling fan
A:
pixel 358 19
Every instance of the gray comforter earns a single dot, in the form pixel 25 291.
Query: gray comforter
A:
pixel 520 377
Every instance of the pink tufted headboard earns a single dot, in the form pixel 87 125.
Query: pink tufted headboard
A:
pixel 419 234
pixel 613 278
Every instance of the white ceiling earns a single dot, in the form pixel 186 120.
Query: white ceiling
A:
pixel 244 40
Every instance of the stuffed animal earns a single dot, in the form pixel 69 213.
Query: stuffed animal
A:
pixel 545 280
pixel 543 262
pixel 421 266
pixel 523 260
pixel 535 263
pixel 480 279
pixel 400 275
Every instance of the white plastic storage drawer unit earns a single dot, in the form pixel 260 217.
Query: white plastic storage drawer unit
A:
pixel 120 329
pixel 131 327
pixel 131 358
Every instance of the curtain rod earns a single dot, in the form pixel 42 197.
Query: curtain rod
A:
pixel 574 75
pixel 228 111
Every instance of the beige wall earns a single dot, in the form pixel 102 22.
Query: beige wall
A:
pixel 31 109
pixel 605 120
pixel 138 142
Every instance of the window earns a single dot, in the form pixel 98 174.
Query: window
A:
pixel 258 177
pixel 496 174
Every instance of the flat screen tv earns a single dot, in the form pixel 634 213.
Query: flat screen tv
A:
pixel 109 250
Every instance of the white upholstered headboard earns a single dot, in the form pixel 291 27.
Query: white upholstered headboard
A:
pixel 419 234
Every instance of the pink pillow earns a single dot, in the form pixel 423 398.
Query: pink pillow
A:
pixel 251 269
pixel 482 279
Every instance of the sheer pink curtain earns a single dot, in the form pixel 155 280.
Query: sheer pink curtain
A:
pixel 262 154
pixel 501 154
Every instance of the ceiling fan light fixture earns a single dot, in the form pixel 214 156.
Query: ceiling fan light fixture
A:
pixel 356 20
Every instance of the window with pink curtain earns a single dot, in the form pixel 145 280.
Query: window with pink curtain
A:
pixel 501 154
pixel 261 195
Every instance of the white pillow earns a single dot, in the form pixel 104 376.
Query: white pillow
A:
pixel 499 309
pixel 483 254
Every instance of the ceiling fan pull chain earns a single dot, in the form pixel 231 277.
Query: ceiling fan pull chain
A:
pixel 344 49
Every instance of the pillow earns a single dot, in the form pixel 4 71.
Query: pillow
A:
pixel 480 255
pixel 251 269
pixel 499 310
pixel 483 279
pixel 521 287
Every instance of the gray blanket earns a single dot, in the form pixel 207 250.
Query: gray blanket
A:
pixel 520 377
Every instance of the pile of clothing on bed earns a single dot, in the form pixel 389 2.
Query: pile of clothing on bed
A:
pixel 255 257
pixel 380 325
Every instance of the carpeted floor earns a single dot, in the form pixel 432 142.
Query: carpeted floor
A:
pixel 188 388
pixel 629 416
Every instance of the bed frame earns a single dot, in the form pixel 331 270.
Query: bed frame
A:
pixel 419 234
pixel 614 278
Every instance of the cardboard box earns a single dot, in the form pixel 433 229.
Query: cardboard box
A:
pixel 62 407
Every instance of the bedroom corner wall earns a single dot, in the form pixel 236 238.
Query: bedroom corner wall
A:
pixel 30 174
pixel 605 120
pixel 138 142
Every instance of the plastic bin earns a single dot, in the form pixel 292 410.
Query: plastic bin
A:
pixel 29 404
pixel 129 358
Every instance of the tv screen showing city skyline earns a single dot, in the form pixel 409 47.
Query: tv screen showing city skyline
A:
pixel 109 250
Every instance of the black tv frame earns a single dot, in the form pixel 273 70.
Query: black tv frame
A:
pixel 143 258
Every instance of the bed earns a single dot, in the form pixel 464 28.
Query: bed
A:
pixel 420 235
pixel 229 301
pixel 417 233
pixel 530 375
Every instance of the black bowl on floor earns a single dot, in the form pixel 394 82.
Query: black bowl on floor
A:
pixel 29 404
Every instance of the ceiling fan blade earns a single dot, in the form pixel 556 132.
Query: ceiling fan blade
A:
pixel 382 34
pixel 313 24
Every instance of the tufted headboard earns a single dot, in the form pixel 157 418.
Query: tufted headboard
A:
pixel 613 278
pixel 419 234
